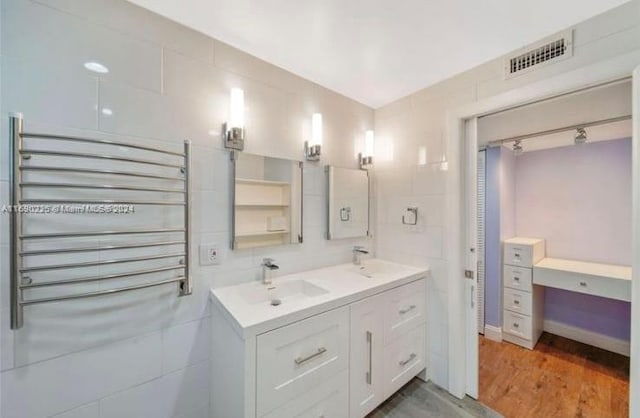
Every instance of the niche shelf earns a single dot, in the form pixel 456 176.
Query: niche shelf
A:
pixel 256 202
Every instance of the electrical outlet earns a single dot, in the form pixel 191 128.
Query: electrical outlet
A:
pixel 209 254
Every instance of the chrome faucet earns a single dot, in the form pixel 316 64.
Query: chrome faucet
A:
pixel 357 252
pixel 268 267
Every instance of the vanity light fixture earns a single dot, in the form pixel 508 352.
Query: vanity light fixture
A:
pixel 233 130
pixel 313 147
pixel 365 158
pixel 581 136
pixel 517 148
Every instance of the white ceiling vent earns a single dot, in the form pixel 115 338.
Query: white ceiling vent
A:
pixel 547 51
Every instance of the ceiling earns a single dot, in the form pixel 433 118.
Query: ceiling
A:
pixel 605 102
pixel 377 51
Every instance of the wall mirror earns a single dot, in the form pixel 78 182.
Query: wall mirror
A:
pixel 347 202
pixel 267 201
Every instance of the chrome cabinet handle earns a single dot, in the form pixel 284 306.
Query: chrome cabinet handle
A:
pixel 370 343
pixel 517 279
pixel 516 325
pixel 516 302
pixel 409 309
pixel 405 362
pixel 301 360
pixel 583 284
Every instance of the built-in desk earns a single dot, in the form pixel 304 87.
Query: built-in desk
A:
pixel 605 280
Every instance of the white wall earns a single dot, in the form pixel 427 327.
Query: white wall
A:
pixel 419 120
pixel 145 354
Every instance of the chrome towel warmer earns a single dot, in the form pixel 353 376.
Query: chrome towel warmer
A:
pixel 20 282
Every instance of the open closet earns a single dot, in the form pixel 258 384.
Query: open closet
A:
pixel 554 211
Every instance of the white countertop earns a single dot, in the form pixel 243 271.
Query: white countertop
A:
pixel 344 284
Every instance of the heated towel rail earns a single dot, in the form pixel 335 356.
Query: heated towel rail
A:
pixel 167 173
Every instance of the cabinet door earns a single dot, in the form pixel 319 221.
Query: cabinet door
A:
pixel 366 355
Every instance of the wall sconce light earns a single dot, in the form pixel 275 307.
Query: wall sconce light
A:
pixel 366 158
pixel 234 128
pixel 313 147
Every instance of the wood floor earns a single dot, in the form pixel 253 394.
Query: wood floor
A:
pixel 560 378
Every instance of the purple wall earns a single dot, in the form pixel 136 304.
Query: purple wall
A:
pixel 579 199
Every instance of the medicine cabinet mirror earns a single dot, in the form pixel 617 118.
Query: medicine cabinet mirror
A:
pixel 267 201
pixel 347 203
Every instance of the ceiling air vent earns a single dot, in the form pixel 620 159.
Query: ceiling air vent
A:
pixel 545 52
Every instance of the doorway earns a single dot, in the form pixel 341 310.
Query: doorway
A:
pixel 462 142
pixel 557 186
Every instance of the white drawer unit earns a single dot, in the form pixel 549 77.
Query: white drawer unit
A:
pixel 523 252
pixel 328 400
pixel 404 308
pixel 340 362
pixel 523 302
pixel 295 358
pixel 519 278
pixel 403 359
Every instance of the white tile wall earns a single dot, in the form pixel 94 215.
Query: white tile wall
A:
pixel 91 410
pixel 418 120
pixel 59 384
pixel 145 353
pixel 171 395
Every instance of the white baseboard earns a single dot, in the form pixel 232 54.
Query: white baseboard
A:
pixel 588 337
pixel 493 333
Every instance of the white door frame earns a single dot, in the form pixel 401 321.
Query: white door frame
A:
pixel 462 367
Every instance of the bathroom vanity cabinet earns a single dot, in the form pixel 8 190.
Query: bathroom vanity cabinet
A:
pixel 354 351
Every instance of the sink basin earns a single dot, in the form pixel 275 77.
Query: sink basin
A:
pixel 278 293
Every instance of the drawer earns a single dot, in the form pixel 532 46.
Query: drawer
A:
pixel 523 255
pixel 297 358
pixel 329 400
pixel 404 308
pixel 517 301
pixel 583 283
pixel 519 278
pixel 517 324
pixel 404 359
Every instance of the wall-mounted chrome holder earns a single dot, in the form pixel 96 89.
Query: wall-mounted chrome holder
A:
pixel 345 214
pixel 233 137
pixel 414 213
pixel 364 162
pixel 312 152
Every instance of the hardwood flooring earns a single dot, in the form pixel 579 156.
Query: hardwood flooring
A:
pixel 559 378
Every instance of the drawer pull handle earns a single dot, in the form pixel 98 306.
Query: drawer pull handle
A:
pixel 583 284
pixel 406 310
pixel 405 362
pixel 517 279
pixel 370 343
pixel 301 360
pixel 516 325
pixel 516 302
